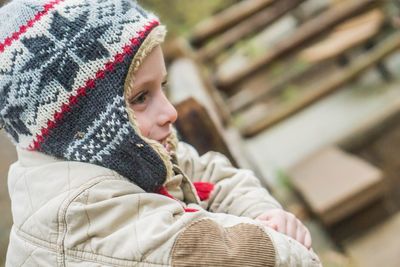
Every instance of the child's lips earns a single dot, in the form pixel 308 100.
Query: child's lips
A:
pixel 165 143
pixel 162 140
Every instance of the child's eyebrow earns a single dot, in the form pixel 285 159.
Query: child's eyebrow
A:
pixel 138 87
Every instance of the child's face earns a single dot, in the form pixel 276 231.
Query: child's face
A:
pixel 154 113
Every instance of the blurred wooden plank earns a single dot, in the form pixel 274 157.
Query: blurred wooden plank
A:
pixel 372 128
pixel 254 125
pixel 345 37
pixel 214 25
pixel 250 26
pixel 250 94
pixel 305 33
pixel 185 83
pixel 361 221
pixel 335 184
pixel 378 145
pixel 188 77
pixel 187 80
pixel 378 247
pixel 196 127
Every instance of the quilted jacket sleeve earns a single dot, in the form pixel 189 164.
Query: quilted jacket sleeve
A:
pixel 236 191
pixel 112 223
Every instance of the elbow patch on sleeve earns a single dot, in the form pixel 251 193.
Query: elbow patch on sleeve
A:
pixel 206 243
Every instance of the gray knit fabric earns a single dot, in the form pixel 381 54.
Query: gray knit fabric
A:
pixel 62 70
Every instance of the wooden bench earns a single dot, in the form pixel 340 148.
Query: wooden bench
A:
pixel 304 34
pixel 342 188
pixel 250 95
pixel 274 112
pixel 335 184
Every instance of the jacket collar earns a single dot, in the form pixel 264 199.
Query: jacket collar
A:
pixel 30 158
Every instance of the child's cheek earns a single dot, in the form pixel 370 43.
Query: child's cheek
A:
pixel 144 132
pixel 141 124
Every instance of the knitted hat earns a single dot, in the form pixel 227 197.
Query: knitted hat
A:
pixel 63 66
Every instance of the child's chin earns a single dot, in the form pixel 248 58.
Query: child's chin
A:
pixel 166 146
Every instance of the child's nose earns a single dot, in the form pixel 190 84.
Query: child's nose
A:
pixel 169 113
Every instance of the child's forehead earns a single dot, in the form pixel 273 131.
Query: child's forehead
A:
pixel 149 80
pixel 151 69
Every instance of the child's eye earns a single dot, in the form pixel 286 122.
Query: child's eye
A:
pixel 140 98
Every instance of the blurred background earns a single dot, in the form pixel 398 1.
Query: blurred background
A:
pixel 303 92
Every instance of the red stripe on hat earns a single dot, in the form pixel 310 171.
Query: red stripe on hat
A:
pixel 22 29
pixel 89 84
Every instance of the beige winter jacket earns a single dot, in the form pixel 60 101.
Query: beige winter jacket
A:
pixel 78 214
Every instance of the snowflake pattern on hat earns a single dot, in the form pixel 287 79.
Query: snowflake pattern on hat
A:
pixel 73 43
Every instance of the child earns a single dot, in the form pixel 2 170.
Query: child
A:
pixel 100 179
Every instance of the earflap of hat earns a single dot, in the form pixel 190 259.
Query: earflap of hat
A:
pixel 155 38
